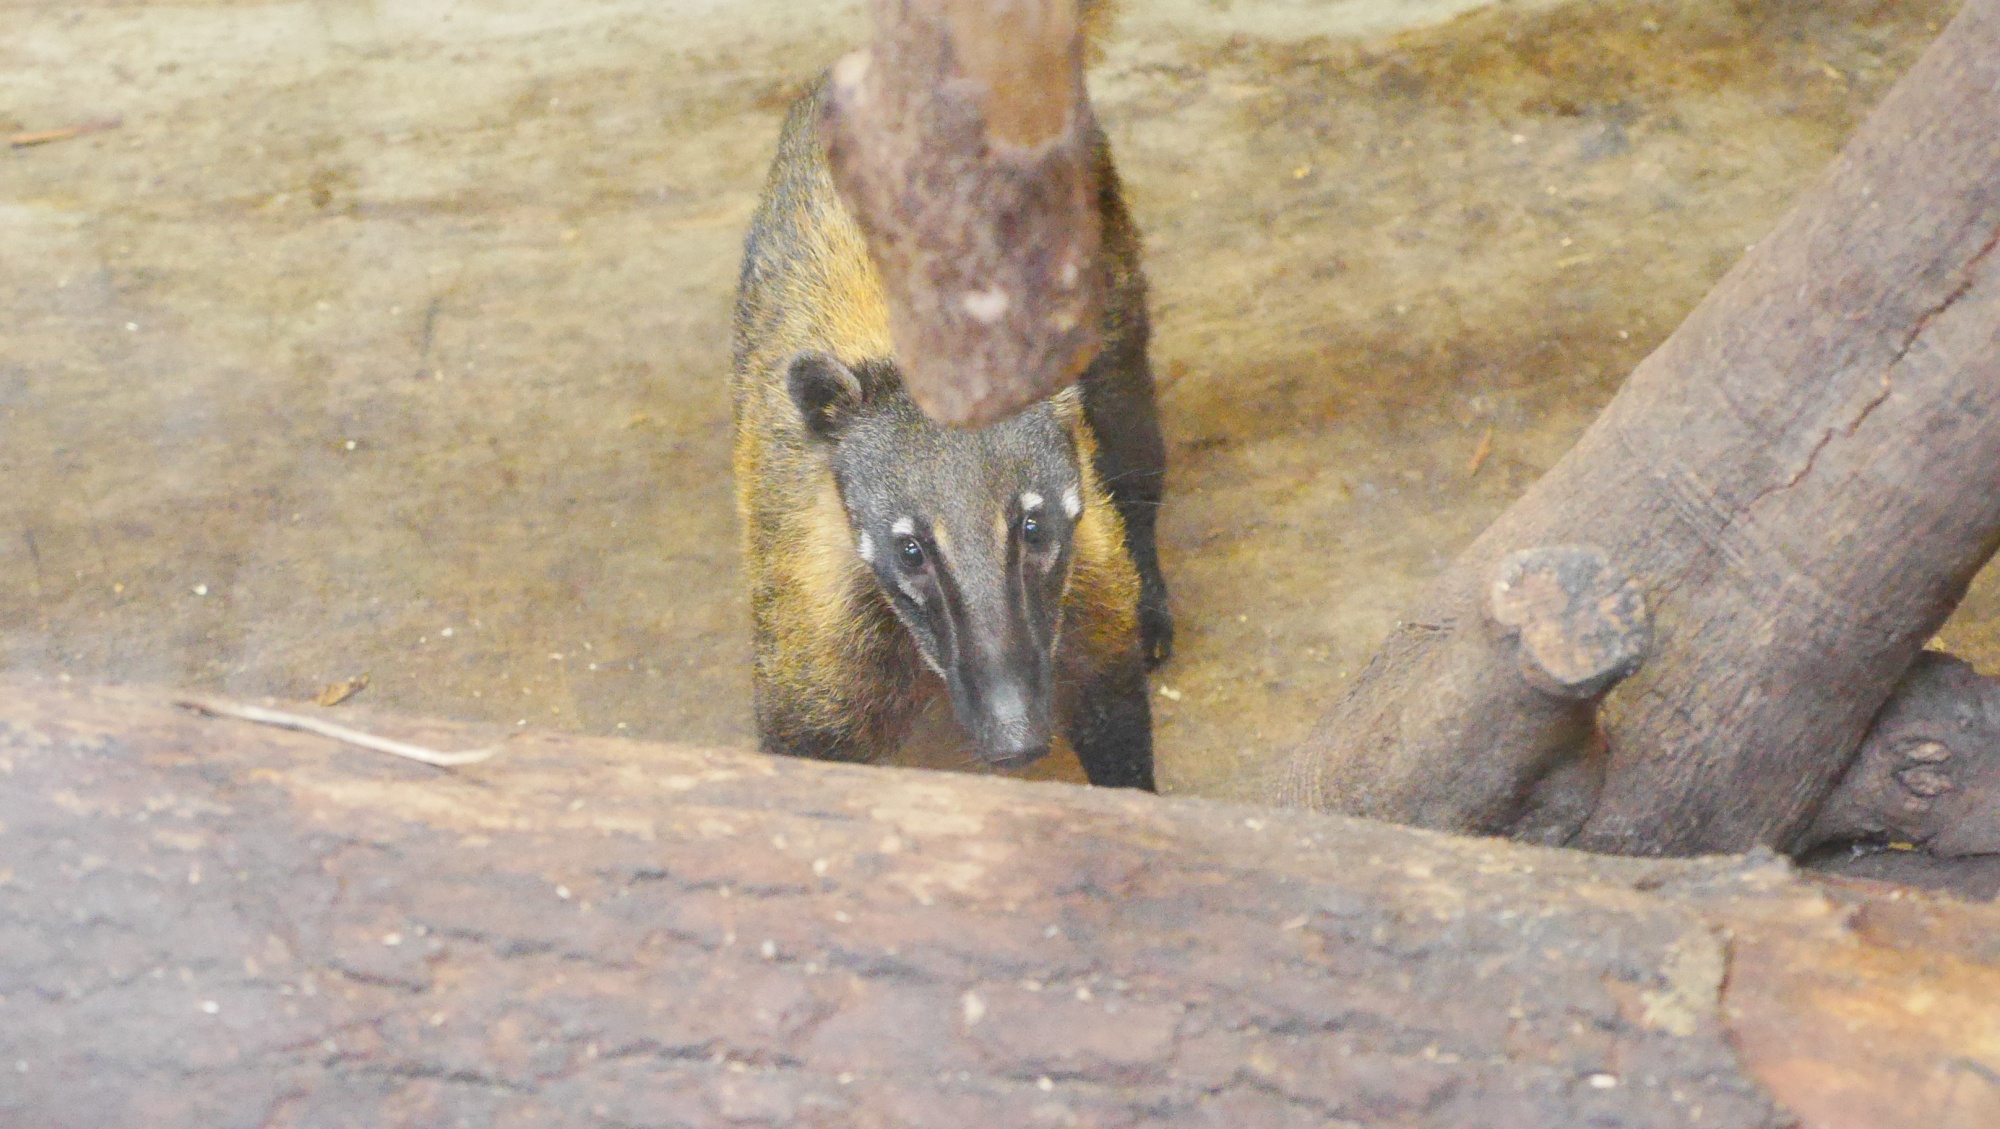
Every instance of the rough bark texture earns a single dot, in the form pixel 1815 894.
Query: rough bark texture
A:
pixel 1577 624
pixel 961 140
pixel 210 923
pixel 1562 626
pixel 1803 479
pixel 1929 773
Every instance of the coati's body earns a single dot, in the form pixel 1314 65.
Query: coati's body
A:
pixel 1016 562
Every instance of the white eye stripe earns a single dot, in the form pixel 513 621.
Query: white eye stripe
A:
pixel 865 545
pixel 1031 501
pixel 904 527
pixel 1072 502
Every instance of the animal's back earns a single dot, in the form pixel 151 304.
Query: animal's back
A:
pixel 807 283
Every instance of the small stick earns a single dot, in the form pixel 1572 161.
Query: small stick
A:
pixel 303 724
pixel 341 691
pixel 44 136
pixel 1480 453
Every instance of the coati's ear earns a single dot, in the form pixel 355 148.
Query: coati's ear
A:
pixel 1068 405
pixel 825 391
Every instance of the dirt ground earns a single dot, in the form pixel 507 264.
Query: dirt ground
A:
pixel 391 339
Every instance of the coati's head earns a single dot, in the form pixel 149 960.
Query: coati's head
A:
pixel 968 534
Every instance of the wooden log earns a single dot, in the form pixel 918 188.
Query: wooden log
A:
pixel 1929 773
pixel 961 139
pixel 1562 626
pixel 1578 627
pixel 1803 479
pixel 209 923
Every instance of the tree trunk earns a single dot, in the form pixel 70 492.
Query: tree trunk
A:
pixel 209 923
pixel 1802 481
pixel 962 141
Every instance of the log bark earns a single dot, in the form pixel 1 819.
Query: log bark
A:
pixel 1803 479
pixel 1928 774
pixel 1560 627
pixel 210 923
pixel 962 140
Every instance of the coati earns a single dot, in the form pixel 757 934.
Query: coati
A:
pixel 1014 564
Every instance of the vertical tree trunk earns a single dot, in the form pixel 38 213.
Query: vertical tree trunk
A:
pixel 961 139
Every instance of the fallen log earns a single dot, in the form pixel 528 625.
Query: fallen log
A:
pixel 1802 481
pixel 207 922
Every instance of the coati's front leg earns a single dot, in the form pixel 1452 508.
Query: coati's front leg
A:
pixel 1107 714
pixel 1111 724
pixel 1120 403
pixel 1132 463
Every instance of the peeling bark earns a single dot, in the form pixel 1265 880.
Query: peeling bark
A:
pixel 209 923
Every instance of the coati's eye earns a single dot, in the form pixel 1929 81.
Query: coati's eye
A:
pixel 1034 533
pixel 910 553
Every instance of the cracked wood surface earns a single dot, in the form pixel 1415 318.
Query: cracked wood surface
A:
pixel 1803 479
pixel 205 922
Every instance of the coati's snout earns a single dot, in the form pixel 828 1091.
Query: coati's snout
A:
pixel 968 535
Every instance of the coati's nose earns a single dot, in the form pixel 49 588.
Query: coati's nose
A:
pixel 1010 730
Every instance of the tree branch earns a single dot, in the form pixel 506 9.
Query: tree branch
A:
pixel 962 141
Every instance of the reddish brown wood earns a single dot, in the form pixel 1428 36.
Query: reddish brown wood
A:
pixel 961 139
pixel 1803 479
pixel 1577 623
pixel 210 923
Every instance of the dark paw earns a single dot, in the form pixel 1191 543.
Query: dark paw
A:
pixel 1156 632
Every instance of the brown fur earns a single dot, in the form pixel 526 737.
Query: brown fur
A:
pixel 830 656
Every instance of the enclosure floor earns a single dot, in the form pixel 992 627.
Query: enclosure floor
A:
pixel 392 339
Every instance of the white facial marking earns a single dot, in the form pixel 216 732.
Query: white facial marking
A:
pixel 1072 503
pixel 1030 502
pixel 903 527
pixel 865 545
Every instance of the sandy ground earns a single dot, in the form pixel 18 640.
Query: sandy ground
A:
pixel 391 339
